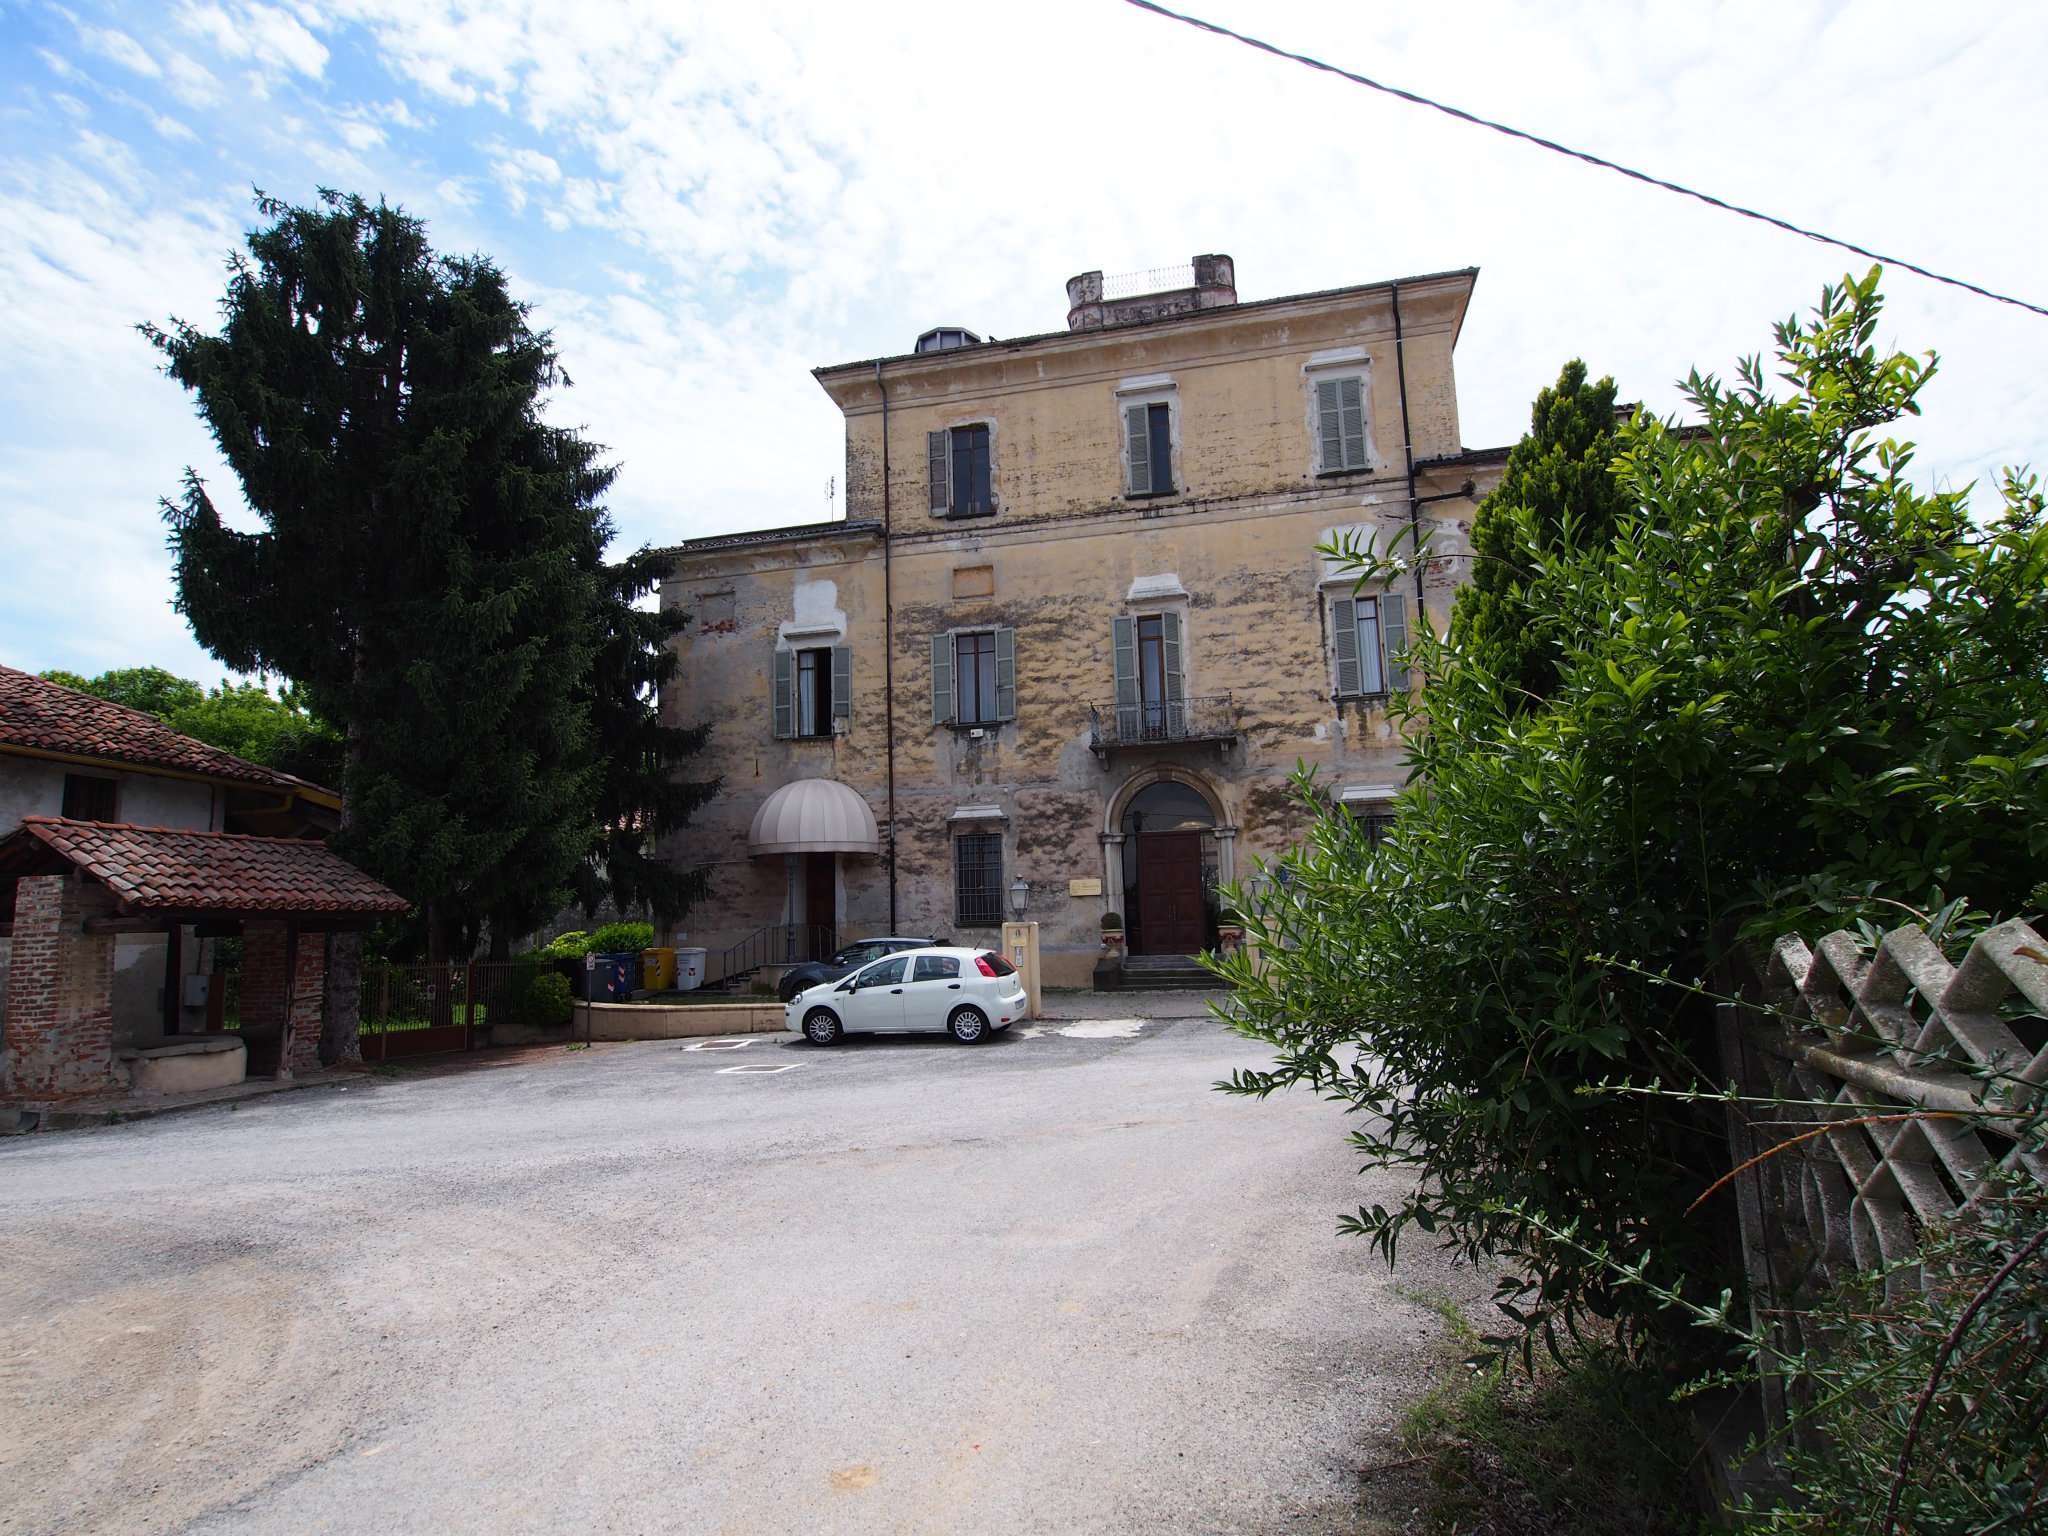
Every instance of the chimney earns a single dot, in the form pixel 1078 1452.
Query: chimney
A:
pixel 1096 303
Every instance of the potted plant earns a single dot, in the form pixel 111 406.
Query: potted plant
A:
pixel 1112 932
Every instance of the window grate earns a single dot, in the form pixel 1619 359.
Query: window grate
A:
pixel 978 879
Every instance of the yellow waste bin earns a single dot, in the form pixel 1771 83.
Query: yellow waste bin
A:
pixel 658 969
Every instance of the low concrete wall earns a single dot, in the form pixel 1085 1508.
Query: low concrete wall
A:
pixel 186 1066
pixel 673 1021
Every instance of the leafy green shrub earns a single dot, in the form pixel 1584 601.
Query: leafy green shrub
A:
pixel 612 938
pixel 1786 679
pixel 622 937
pixel 545 1003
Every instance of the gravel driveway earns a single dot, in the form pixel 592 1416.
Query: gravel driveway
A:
pixel 1050 1284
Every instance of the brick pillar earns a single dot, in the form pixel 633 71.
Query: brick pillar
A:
pixel 59 1034
pixel 263 1001
pixel 308 1005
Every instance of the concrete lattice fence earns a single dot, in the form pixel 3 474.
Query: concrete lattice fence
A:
pixel 1917 1075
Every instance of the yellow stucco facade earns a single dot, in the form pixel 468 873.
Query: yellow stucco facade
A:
pixel 1103 541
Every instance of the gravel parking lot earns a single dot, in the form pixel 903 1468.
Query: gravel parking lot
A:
pixel 1050 1284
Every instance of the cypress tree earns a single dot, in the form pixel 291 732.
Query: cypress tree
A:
pixel 1557 491
pixel 426 566
pixel 643 799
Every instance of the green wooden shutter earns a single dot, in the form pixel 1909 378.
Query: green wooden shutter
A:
pixel 1006 674
pixel 942 679
pixel 785 689
pixel 1351 421
pixel 1394 637
pixel 1330 424
pixel 1176 703
pixel 1344 636
pixel 1124 647
pixel 842 682
pixel 938 480
pixel 1138 428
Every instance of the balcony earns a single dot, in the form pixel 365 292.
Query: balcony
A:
pixel 1178 723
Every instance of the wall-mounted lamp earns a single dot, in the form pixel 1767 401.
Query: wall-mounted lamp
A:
pixel 1020 895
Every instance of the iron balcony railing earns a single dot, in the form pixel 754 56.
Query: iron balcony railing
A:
pixel 1162 723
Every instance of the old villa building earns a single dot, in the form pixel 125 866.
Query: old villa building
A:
pixel 1073 634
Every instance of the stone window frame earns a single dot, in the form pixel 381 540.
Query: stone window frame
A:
pixel 948 511
pixel 981 830
pixel 1146 391
pixel 1334 365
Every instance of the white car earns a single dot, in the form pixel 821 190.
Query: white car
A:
pixel 968 993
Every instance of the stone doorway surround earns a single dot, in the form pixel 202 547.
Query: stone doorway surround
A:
pixel 1115 852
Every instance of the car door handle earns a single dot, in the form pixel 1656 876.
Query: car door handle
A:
pixel 895 991
pixel 952 986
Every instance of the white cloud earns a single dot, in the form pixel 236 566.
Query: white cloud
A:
pixel 269 36
pixel 359 135
pixel 727 196
pixel 190 81
pixel 111 43
pixel 59 66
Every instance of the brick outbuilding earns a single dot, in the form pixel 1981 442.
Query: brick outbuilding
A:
pixel 72 886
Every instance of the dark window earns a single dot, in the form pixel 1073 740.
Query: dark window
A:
pixel 971 497
pixel 1152 677
pixel 89 799
pixel 1376 827
pixel 978 879
pixel 1372 679
pixel 936 968
pixel 1158 428
pixel 884 973
pixel 974 676
pixel 814 692
pixel 996 965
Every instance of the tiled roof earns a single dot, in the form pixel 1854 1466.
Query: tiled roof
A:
pixel 48 717
pixel 173 869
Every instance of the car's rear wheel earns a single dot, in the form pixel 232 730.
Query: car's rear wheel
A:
pixel 967 1024
pixel 821 1027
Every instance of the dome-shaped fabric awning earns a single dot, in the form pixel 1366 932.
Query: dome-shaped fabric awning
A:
pixel 814 816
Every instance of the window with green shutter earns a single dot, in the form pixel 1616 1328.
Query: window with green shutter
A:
pixel 1368 636
pixel 974 677
pixel 1340 424
pixel 960 470
pixel 1148 449
pixel 813 687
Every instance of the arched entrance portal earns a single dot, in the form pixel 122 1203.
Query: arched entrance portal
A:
pixel 1170 869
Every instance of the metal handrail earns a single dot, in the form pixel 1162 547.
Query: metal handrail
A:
pixel 771 944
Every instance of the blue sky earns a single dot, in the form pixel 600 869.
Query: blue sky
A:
pixel 706 202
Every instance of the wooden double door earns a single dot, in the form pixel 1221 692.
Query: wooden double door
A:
pixel 1172 917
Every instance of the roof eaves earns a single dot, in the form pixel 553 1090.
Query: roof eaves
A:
pixel 1014 343
pixel 799 533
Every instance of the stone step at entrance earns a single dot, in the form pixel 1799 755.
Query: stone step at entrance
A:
pixel 1167 973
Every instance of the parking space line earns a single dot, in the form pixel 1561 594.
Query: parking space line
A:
pixel 757 1071
pixel 719 1045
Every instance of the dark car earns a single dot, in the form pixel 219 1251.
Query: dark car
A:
pixel 850 958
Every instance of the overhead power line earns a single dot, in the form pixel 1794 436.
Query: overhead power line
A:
pixel 1579 154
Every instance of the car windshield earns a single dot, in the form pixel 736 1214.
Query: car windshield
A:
pixel 856 954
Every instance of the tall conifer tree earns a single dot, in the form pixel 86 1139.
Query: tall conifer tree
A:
pixel 642 796
pixel 427 565
pixel 1557 490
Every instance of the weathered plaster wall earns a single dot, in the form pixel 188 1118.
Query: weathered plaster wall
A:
pixel 1057 565
pixel 1240 390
